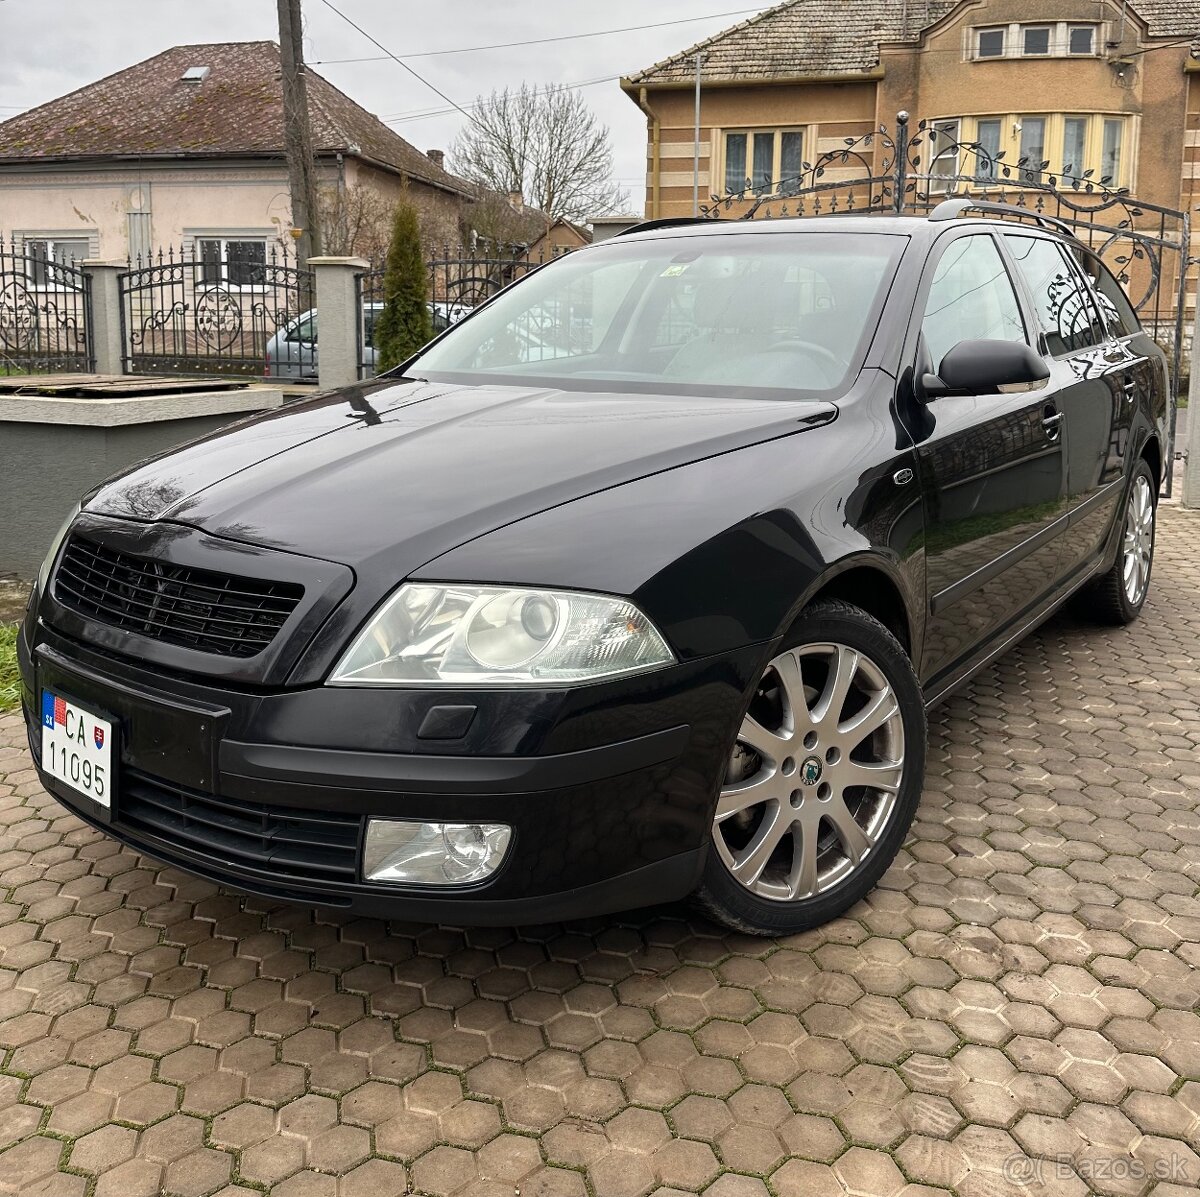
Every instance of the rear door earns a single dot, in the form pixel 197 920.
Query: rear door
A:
pixel 1090 370
pixel 993 471
pixel 1129 353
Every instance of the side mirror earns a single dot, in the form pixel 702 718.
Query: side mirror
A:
pixel 985 368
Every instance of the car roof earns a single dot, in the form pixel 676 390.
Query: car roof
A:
pixel 918 227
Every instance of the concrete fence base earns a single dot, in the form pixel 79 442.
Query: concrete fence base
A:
pixel 52 451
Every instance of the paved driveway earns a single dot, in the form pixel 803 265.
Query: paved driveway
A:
pixel 1013 1011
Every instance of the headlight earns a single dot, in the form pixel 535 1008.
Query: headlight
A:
pixel 494 635
pixel 55 545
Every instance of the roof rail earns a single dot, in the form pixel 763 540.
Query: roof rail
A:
pixel 666 222
pixel 951 209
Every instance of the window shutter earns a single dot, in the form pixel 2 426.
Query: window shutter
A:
pixel 139 235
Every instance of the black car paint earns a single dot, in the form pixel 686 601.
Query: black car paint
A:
pixel 722 518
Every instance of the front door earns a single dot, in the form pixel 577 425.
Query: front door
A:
pixel 993 470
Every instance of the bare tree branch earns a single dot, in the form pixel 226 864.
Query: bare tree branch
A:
pixel 546 144
pixel 355 221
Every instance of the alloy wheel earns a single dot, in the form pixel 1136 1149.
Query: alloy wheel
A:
pixel 814 776
pixel 1139 541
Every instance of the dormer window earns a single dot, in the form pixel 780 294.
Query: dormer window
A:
pixel 1057 39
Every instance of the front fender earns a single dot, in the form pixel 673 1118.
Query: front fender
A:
pixel 721 553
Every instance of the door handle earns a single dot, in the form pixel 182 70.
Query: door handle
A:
pixel 1052 423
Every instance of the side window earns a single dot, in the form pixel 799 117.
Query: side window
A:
pixel 1059 296
pixel 1120 319
pixel 971 299
pixel 305 332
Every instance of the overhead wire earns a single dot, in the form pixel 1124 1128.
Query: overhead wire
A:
pixel 542 41
pixel 416 75
pixel 418 114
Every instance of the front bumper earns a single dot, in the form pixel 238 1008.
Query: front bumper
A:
pixel 609 790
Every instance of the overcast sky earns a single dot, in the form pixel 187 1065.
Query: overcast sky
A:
pixel 64 44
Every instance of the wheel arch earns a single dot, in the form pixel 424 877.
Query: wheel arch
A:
pixel 1151 453
pixel 873 585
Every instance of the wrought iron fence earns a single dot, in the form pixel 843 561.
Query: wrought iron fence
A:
pixel 245 310
pixel 45 313
pixel 913 168
pixel 459 278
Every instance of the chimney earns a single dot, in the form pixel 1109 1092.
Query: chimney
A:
pixel 517 200
pixel 437 157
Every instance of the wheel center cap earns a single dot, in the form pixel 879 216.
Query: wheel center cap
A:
pixel 810 771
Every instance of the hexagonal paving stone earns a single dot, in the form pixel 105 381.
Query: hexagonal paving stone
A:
pixel 1021 989
pixel 444 1171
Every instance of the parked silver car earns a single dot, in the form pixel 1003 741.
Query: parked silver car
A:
pixel 292 351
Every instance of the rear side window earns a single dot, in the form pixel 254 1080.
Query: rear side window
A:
pixel 1059 296
pixel 971 299
pixel 1120 320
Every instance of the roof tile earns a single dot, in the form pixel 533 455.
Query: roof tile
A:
pixel 842 37
pixel 147 111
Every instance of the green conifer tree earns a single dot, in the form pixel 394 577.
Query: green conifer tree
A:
pixel 405 323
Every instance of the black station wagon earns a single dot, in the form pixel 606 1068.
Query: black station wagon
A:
pixel 635 584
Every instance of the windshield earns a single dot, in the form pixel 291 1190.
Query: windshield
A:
pixel 725 314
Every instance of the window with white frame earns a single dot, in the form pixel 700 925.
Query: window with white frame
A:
pixel 763 161
pixel 1079 148
pixel 44 254
pixel 944 153
pixel 990 43
pixel 232 261
pixel 1035 40
pixel 1031 148
pixel 987 147
pixel 1081 39
pixel 1043 39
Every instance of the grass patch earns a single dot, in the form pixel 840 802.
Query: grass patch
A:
pixel 9 686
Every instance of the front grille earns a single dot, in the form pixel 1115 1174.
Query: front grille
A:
pixel 290 843
pixel 177 604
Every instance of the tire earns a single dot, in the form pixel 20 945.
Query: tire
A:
pixel 1118 595
pixel 798 838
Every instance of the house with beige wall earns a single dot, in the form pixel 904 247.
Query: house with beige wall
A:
pixel 185 150
pixel 1098 89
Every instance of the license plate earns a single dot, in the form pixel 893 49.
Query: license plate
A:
pixel 77 748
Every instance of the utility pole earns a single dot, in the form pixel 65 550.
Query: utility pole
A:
pixel 297 134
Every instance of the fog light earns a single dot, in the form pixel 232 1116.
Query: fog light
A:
pixel 433 853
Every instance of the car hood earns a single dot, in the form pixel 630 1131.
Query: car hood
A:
pixel 400 471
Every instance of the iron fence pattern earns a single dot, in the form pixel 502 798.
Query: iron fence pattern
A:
pixel 185 312
pixel 460 278
pixel 45 314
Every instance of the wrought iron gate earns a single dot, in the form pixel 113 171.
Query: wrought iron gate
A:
pixel 184 312
pixel 915 167
pixel 45 313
